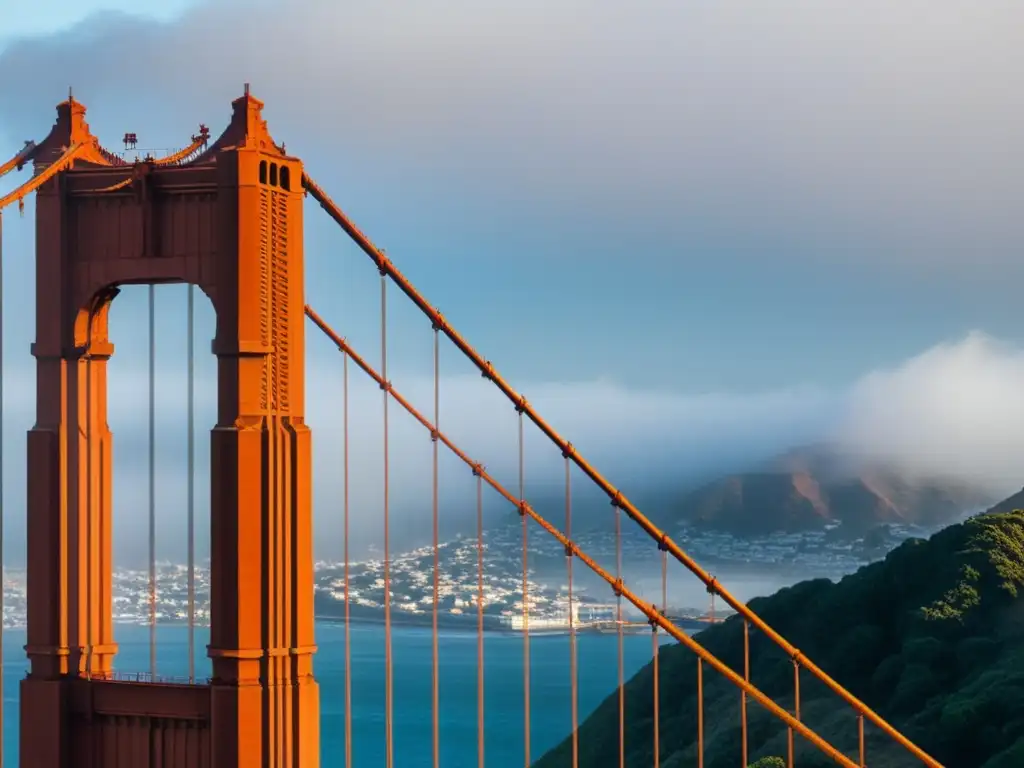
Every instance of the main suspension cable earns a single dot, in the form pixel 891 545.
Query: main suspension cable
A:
pixel 384 264
pixel 191 487
pixel 152 482
pixel 384 386
pixel 34 183
pixel 348 634
pixel 650 611
pixel 24 155
pixel 437 555
pixel 197 143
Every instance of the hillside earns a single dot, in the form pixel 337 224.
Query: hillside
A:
pixel 810 487
pixel 932 638
pixel 1016 501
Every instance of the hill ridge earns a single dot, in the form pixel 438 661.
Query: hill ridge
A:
pixel 811 487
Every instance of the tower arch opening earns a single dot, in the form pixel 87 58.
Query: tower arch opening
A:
pixel 185 404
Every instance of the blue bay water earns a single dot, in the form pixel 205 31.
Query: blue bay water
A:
pixel 411 648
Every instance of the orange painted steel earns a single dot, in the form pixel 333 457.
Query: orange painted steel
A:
pixel 118 186
pixel 384 264
pixel 19 160
pixel 860 741
pixel 198 142
pixel 650 610
pixel 30 186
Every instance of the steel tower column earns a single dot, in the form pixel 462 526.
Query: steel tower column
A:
pixel 69 481
pixel 265 702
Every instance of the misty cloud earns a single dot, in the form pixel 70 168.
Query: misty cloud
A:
pixel 864 131
pixel 954 410
pixel 638 438
pixel 951 411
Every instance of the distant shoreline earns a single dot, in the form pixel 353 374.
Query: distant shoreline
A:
pixel 492 626
pixel 447 623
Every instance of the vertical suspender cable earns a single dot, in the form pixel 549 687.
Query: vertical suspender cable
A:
pixel 389 756
pixel 700 712
pixel 526 608
pixel 654 678
pixel 657 662
pixel 152 481
pixel 3 575
pixel 348 636
pixel 437 556
pixel 573 674
pixel 89 584
pixel 479 619
pixel 743 694
pixel 796 710
pixel 862 761
pixel 191 487
pixel 618 623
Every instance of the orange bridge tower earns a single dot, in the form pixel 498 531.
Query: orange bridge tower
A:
pixel 228 219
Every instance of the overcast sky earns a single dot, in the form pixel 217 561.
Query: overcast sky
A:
pixel 674 225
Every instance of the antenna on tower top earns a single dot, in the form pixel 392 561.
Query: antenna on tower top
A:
pixel 246 89
pixel 71 95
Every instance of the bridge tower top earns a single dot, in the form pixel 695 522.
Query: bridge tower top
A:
pixel 71 125
pixel 247 128
pixel 69 130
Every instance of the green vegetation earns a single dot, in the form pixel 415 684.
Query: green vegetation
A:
pixel 932 638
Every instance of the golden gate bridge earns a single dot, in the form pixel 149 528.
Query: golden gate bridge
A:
pixel 227 217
